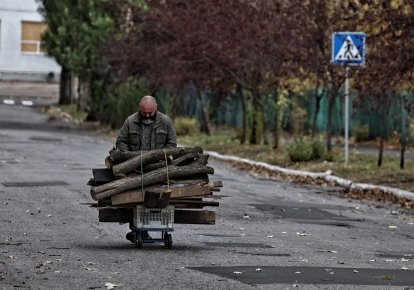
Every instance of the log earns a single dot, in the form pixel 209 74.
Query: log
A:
pixel 150 178
pixel 177 191
pixel 117 156
pixel 151 157
pixel 125 215
pixel 182 160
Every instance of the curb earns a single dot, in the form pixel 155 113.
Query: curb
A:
pixel 325 176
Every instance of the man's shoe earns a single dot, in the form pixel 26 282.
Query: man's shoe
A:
pixel 131 236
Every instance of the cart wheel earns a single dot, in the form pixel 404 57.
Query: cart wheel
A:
pixel 139 241
pixel 168 241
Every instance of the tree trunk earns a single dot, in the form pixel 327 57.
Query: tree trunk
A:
pixel 65 89
pixel 331 103
pixel 205 120
pixel 381 146
pixel 239 90
pixel 318 98
pixel 256 134
pixel 276 130
pixel 381 150
pixel 84 92
pixel 402 157
pixel 404 133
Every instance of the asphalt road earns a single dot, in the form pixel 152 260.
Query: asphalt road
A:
pixel 268 234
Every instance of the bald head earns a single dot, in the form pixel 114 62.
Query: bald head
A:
pixel 147 107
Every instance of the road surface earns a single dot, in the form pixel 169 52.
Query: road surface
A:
pixel 268 234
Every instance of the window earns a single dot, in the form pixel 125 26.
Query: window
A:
pixel 32 36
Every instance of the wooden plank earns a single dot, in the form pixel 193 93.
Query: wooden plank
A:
pixel 115 215
pixel 193 203
pixel 177 190
pixel 156 199
pixel 183 216
pixel 125 215
pixel 215 183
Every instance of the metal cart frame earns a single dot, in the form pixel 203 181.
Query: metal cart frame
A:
pixel 154 220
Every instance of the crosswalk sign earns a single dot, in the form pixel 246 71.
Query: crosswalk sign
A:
pixel 348 48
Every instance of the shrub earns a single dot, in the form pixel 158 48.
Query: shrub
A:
pixel 301 151
pixel 186 126
pixel 318 150
pixel 361 133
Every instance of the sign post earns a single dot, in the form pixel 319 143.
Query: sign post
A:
pixel 348 48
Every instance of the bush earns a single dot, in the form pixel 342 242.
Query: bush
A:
pixel 186 126
pixel 361 133
pixel 318 150
pixel 300 151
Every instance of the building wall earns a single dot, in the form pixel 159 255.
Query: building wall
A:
pixel 14 64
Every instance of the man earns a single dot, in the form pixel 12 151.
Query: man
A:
pixel 144 130
pixel 147 129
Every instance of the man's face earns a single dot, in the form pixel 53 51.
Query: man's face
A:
pixel 147 110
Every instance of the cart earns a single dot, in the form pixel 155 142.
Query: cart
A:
pixel 154 220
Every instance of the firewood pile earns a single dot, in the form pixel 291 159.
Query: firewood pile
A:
pixel 156 179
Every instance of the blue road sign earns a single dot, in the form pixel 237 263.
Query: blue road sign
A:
pixel 348 48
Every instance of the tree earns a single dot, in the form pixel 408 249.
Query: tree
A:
pixel 316 21
pixel 389 26
pixel 203 44
pixel 76 31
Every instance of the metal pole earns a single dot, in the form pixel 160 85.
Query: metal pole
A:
pixel 346 114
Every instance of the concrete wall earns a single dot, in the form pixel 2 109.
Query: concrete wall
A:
pixel 15 65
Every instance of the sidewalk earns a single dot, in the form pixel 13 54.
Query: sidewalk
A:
pixel 38 93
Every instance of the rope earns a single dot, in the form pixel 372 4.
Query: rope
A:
pixel 166 165
pixel 142 179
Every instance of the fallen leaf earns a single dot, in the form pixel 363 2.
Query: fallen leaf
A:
pixel 109 285
pixel 299 234
pixel 385 277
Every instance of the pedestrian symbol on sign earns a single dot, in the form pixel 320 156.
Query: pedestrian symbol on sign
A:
pixel 348 51
pixel 348 48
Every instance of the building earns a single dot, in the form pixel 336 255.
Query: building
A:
pixel 21 56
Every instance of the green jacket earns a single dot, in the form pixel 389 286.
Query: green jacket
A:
pixel 163 133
